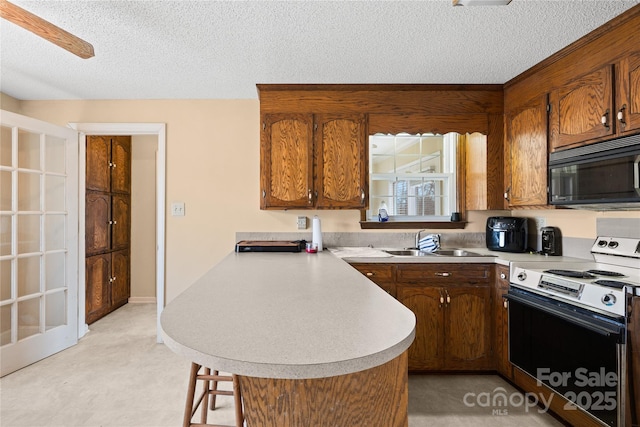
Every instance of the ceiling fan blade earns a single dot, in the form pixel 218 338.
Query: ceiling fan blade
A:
pixel 45 29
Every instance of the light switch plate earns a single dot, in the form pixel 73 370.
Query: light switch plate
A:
pixel 177 209
pixel 302 223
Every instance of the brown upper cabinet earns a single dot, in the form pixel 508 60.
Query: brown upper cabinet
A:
pixel 585 110
pixel 526 154
pixel 628 101
pixel 313 161
pixel 582 110
pixel 109 164
pixel 314 138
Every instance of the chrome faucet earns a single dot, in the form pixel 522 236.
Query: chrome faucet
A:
pixel 417 245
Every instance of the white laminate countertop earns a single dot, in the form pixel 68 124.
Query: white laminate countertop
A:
pixel 286 315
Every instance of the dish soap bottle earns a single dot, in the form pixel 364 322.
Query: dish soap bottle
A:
pixel 383 216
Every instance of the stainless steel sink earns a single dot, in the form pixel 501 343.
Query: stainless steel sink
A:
pixel 406 252
pixel 439 252
pixel 455 252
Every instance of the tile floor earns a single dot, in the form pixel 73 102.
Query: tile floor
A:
pixel 118 376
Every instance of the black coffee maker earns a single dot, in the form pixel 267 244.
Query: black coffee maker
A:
pixel 551 241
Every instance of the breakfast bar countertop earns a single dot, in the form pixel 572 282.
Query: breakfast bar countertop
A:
pixel 286 315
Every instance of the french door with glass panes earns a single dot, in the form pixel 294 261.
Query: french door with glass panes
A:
pixel 38 241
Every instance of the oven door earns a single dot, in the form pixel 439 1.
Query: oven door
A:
pixel 575 352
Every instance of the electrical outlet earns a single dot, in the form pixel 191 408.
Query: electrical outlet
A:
pixel 177 209
pixel 302 223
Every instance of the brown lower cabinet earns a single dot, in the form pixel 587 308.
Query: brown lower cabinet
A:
pixel 107 283
pixel 501 322
pixel 458 306
pixel 452 304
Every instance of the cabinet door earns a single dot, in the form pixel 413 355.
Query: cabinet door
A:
pixel 98 158
pixel 427 303
pixel 341 161
pixel 97 223
pixel 526 155
pixel 501 322
pixel 467 327
pixel 121 164
pixel 582 110
pixel 628 115
pixel 120 223
pixel 380 274
pixel 286 161
pixel 120 289
pixel 98 273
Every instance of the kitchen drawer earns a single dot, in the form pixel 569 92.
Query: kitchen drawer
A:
pixel 443 273
pixel 381 274
pixel 376 272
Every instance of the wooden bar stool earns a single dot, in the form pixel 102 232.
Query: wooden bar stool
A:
pixel 210 388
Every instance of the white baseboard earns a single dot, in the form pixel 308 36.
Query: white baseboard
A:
pixel 142 300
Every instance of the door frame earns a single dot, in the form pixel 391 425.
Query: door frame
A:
pixel 158 129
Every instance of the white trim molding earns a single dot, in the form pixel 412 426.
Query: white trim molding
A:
pixel 158 129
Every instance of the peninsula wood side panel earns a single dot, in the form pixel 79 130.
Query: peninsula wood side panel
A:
pixel 376 397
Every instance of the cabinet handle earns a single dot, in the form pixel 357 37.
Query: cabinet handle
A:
pixel 114 278
pixel 115 222
pixel 621 115
pixel 448 297
pixel 310 197
pixel 506 194
pixel 264 194
pixel 605 119
pixel 505 303
pixel 503 276
pixel 110 164
pixel 442 274
pixel 441 300
pixel 370 273
pixel 362 196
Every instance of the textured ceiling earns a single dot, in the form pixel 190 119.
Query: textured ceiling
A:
pixel 221 49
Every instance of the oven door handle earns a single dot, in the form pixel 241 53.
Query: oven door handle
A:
pixel 599 327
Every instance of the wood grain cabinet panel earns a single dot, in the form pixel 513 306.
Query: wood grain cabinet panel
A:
pixel 501 322
pixel 98 298
pixel 313 161
pixel 467 327
pixel 427 352
pixel 628 104
pixel 526 154
pixel 382 275
pixel 582 110
pixel 121 164
pixel 121 221
pixel 286 161
pixel 452 304
pixel 120 283
pixel 97 223
pixel 341 161
pixel 107 224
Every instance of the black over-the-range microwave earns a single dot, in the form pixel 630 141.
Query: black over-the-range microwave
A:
pixel 599 176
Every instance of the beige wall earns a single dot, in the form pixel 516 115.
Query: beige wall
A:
pixel 213 152
pixel 143 217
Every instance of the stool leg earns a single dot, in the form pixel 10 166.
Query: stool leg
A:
pixel 205 396
pixel 237 400
pixel 191 391
pixel 213 396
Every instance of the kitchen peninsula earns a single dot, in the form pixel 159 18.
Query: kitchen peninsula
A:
pixel 309 337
